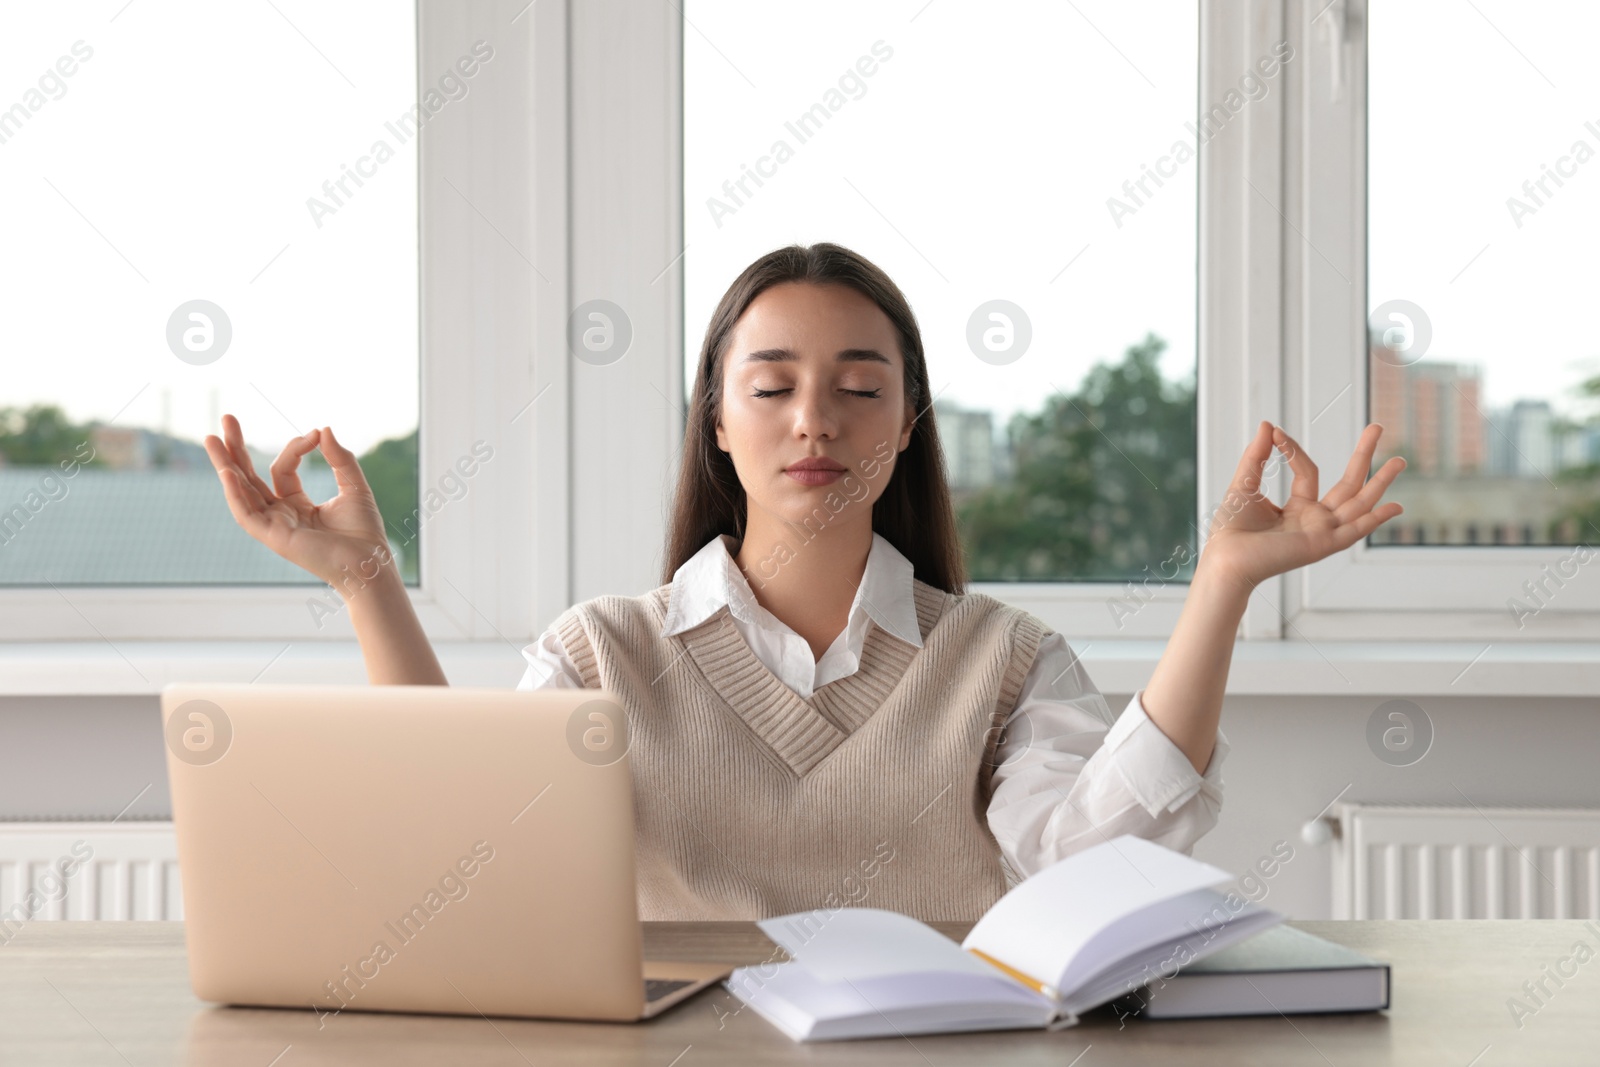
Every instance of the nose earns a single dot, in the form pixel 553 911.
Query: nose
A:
pixel 816 415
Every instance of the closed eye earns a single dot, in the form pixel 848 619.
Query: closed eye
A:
pixel 871 394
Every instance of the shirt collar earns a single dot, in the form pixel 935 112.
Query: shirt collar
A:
pixel 710 579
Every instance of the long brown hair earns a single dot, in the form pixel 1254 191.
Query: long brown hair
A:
pixel 914 513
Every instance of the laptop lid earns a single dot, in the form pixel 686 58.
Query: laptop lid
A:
pixel 413 848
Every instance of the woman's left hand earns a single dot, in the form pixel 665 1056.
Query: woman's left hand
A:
pixel 1252 539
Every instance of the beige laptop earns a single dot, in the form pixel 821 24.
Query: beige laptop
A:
pixel 411 848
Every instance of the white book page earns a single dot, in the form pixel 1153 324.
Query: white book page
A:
pixel 1041 925
pixel 805 1007
pixel 1164 922
pixel 940 1003
pixel 1160 961
pixel 861 943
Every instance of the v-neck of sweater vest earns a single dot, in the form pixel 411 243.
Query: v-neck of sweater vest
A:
pixel 801 731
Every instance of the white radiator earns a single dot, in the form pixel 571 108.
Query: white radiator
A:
pixel 1390 862
pixel 87 870
pixel 1415 862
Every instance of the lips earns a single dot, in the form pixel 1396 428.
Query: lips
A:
pixel 816 463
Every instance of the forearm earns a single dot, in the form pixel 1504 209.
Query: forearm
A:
pixel 1184 697
pixel 396 650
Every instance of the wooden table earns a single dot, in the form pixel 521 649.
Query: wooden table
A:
pixel 85 993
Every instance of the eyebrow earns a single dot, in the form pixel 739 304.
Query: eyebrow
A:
pixel 848 355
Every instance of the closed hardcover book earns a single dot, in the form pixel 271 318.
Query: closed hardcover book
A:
pixel 1278 971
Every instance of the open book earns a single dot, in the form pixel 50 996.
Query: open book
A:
pixel 1087 929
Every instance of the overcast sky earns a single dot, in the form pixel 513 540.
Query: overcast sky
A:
pixel 974 164
pixel 1467 102
pixel 176 166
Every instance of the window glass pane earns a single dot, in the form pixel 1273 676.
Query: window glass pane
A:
pixel 1483 204
pixel 200 220
pixel 1038 154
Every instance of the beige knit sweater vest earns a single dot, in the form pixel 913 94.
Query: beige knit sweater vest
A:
pixel 750 801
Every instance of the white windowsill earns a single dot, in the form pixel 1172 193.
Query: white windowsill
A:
pixel 1260 668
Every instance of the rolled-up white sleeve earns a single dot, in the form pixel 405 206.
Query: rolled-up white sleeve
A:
pixel 1067 775
pixel 549 666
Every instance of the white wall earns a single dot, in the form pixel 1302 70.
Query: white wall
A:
pixel 72 757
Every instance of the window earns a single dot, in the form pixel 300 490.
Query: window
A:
pixel 1260 266
pixel 320 177
pixel 1027 176
pixel 1480 278
pixel 1437 282
pixel 222 217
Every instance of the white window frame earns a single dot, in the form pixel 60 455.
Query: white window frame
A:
pixel 1240 375
pixel 1082 609
pixel 481 304
pixel 537 216
pixel 1374 592
pixel 539 161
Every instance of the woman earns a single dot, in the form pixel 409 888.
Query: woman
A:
pixel 818 713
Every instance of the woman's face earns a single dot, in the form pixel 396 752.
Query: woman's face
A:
pixel 831 361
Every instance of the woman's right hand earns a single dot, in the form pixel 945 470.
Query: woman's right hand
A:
pixel 343 536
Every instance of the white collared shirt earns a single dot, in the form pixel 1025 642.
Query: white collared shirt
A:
pixel 1068 775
